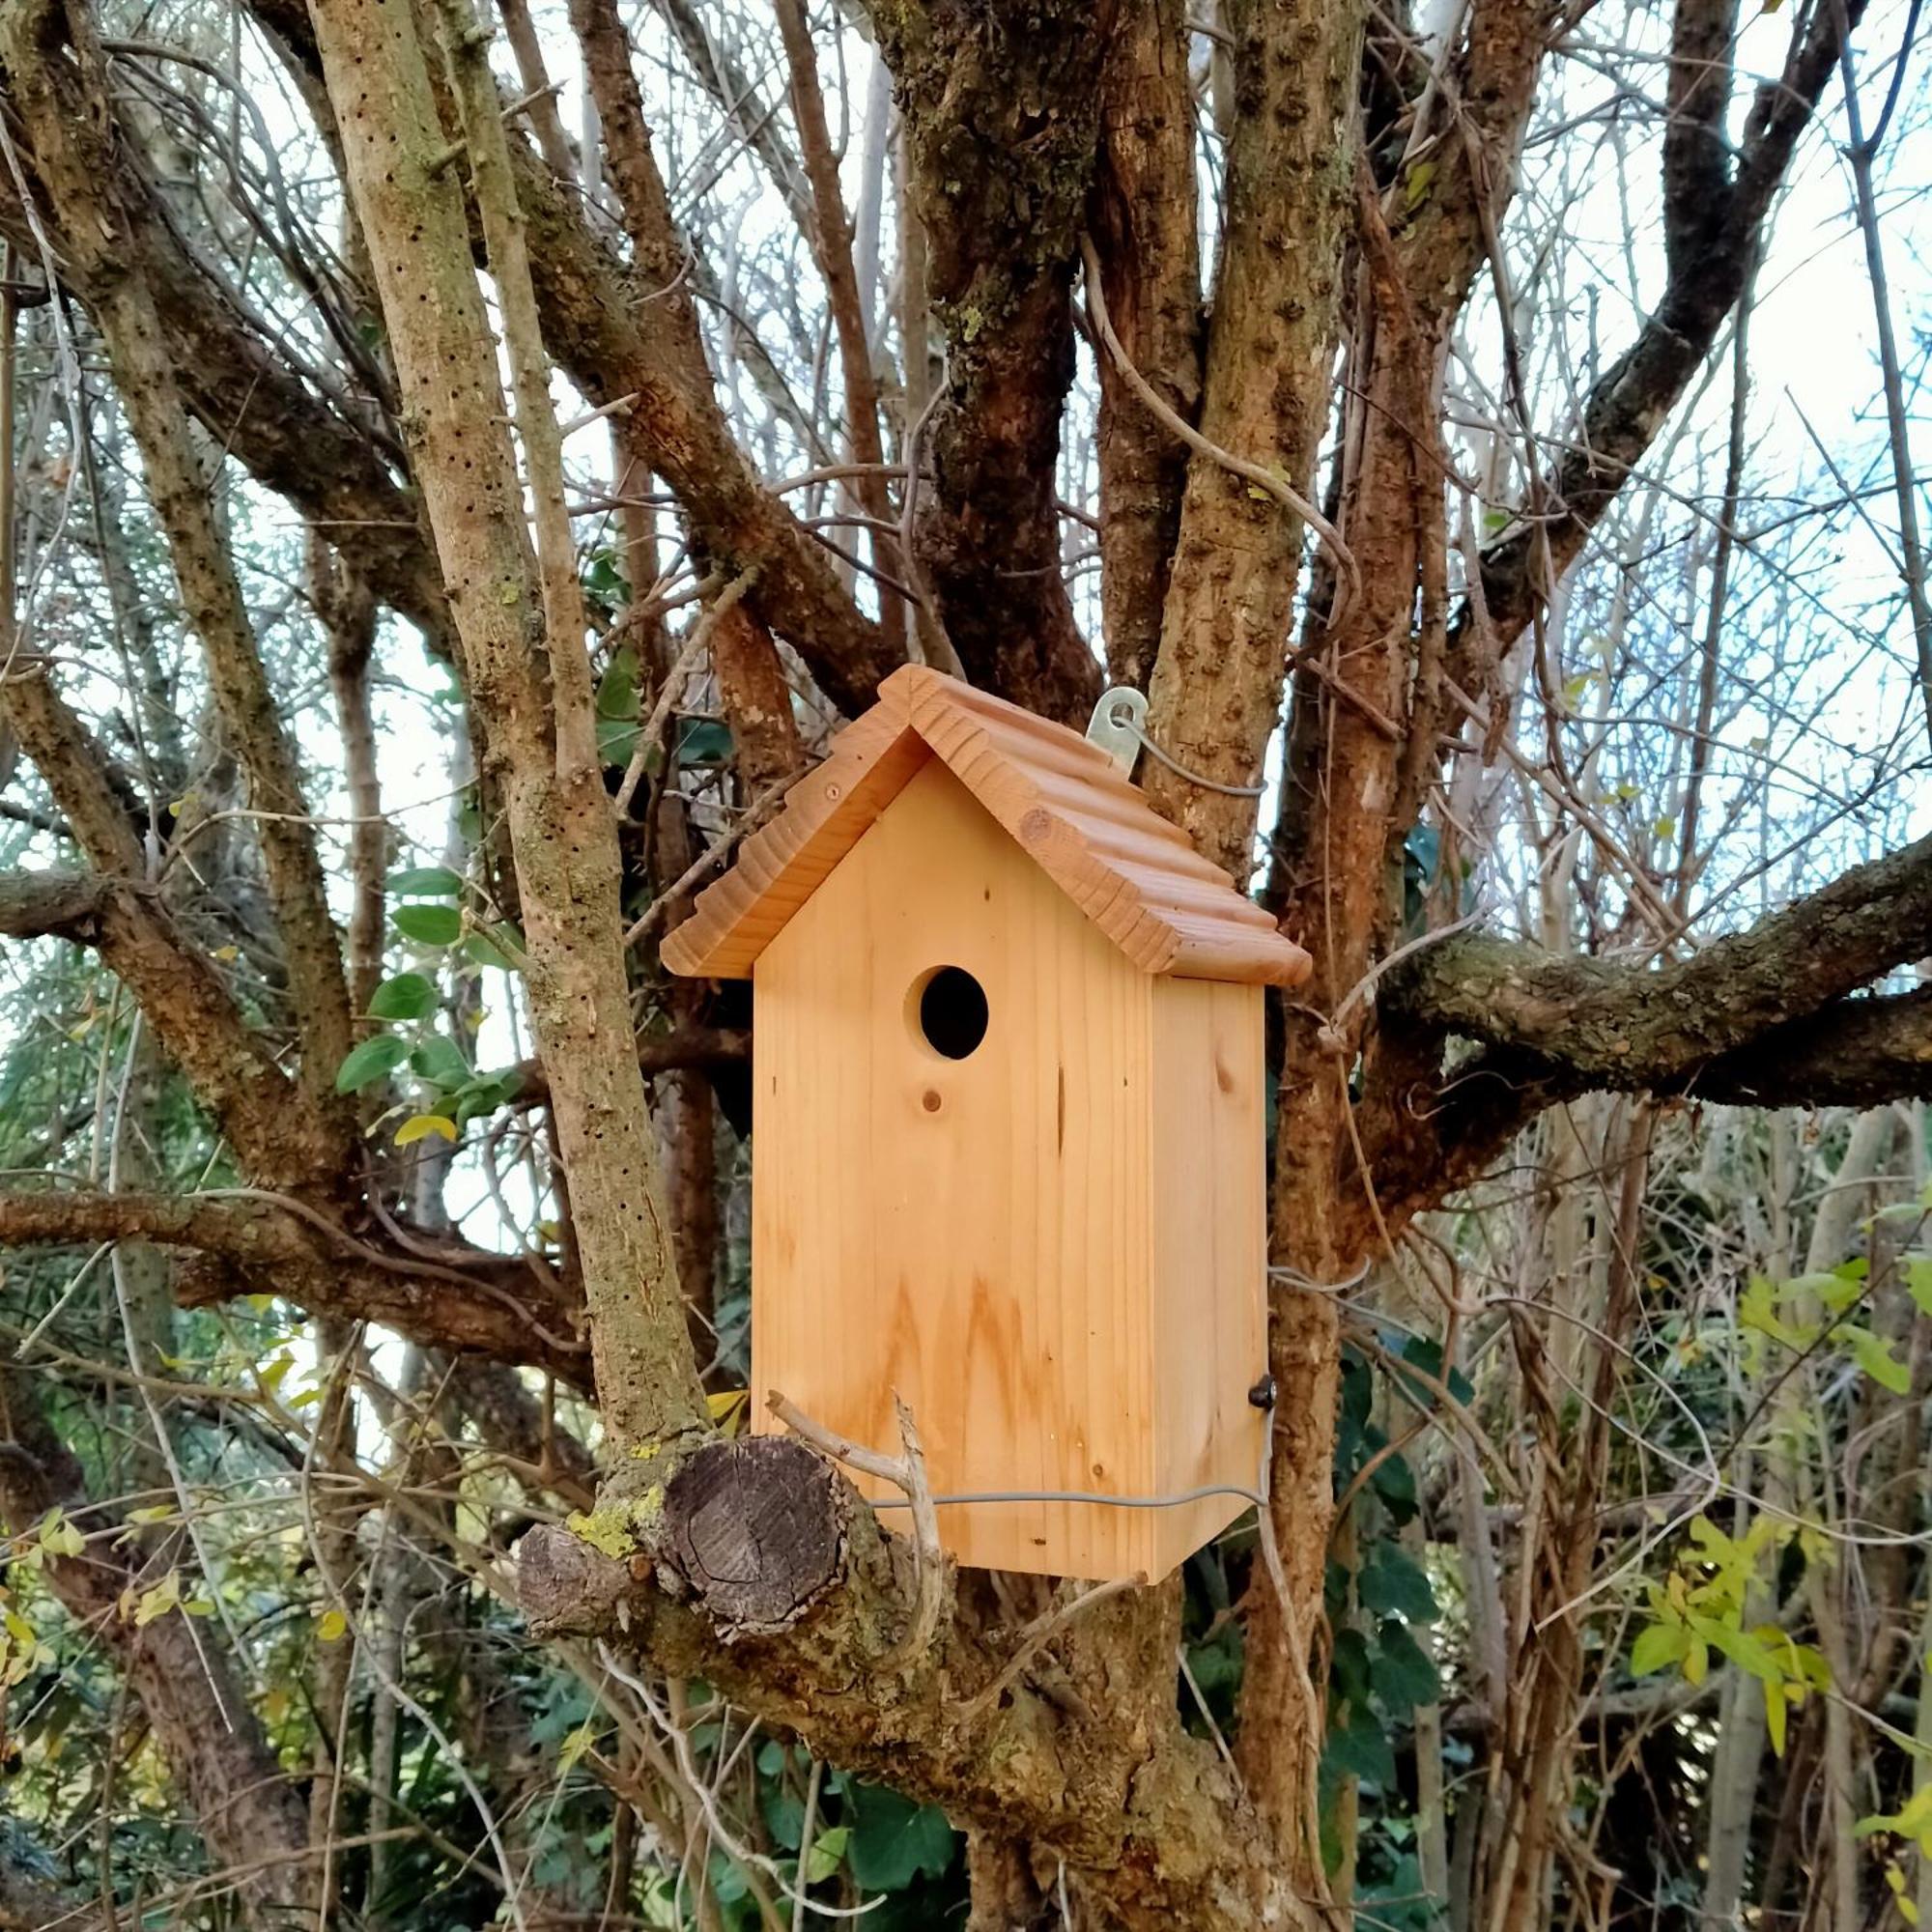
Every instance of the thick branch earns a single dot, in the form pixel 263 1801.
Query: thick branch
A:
pixel 1001 108
pixel 1760 1018
pixel 59 906
pixel 444 1294
pixel 765 1573
pixel 1143 218
pixel 1630 1026
pixel 530 687
pixel 226 1063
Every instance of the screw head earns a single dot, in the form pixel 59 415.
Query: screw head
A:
pixel 1263 1393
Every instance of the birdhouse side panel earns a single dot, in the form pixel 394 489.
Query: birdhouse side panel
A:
pixel 963 1218
pixel 1209 1189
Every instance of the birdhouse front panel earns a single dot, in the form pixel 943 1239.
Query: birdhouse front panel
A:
pixel 1008 1131
pixel 953 1149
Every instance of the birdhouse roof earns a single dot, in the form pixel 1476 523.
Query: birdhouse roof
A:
pixel 1062 800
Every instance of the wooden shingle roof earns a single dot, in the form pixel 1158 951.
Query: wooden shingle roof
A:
pixel 1091 833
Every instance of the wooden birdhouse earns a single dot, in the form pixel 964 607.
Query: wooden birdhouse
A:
pixel 1007 1129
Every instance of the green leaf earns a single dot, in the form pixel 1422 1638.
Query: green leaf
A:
pixel 1360 1748
pixel 785 1816
pixel 409 996
pixel 427 882
pixel 1392 1583
pixel 894 1841
pixel 439 1062
pixel 616 740
pixel 617 688
pixel 828 1853
pixel 1918 1282
pixel 705 741
pixel 1401 1673
pixel 1394 1480
pixel 1657 1645
pixel 500 946
pixel 60 1536
pixel 1875 1358
pixel 428 924
pixel 485 1094
pixel 1349 1668
pixel 370 1060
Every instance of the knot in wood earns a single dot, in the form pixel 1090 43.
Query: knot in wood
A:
pixel 567 1589
pixel 755 1528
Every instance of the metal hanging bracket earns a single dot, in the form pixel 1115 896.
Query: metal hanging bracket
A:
pixel 1118 726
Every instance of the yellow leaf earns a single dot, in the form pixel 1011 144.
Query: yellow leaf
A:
pixel 156 1603
pixel 18 1627
pixel 331 1626
pixel 227 954
pixel 419 1127
pixel 729 1410
pixel 152 1513
pixel 59 1537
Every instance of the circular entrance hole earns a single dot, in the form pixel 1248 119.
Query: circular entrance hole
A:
pixel 950 1011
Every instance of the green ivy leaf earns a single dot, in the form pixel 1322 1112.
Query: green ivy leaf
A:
pixel 785 1816
pixel 1394 1480
pixel 705 741
pixel 370 1060
pixel 428 924
pixel 1401 1673
pixel 828 1853
pixel 1392 1583
pixel 409 996
pixel 894 1841
pixel 1360 1748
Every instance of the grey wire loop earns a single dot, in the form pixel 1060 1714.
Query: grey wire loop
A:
pixel 1194 778
pixel 1118 726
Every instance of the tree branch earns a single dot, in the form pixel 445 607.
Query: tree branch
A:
pixel 55 71
pixel 1630 401
pixel 763 1572
pixel 452 1296
pixel 1001 109
pixel 1631 1026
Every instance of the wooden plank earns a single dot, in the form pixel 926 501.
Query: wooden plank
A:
pixel 1209 1313
pixel 975 1232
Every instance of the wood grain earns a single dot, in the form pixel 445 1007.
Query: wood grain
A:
pixel 1208 1291
pixel 980 1234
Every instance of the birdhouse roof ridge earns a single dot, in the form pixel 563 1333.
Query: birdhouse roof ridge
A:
pixel 1064 800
